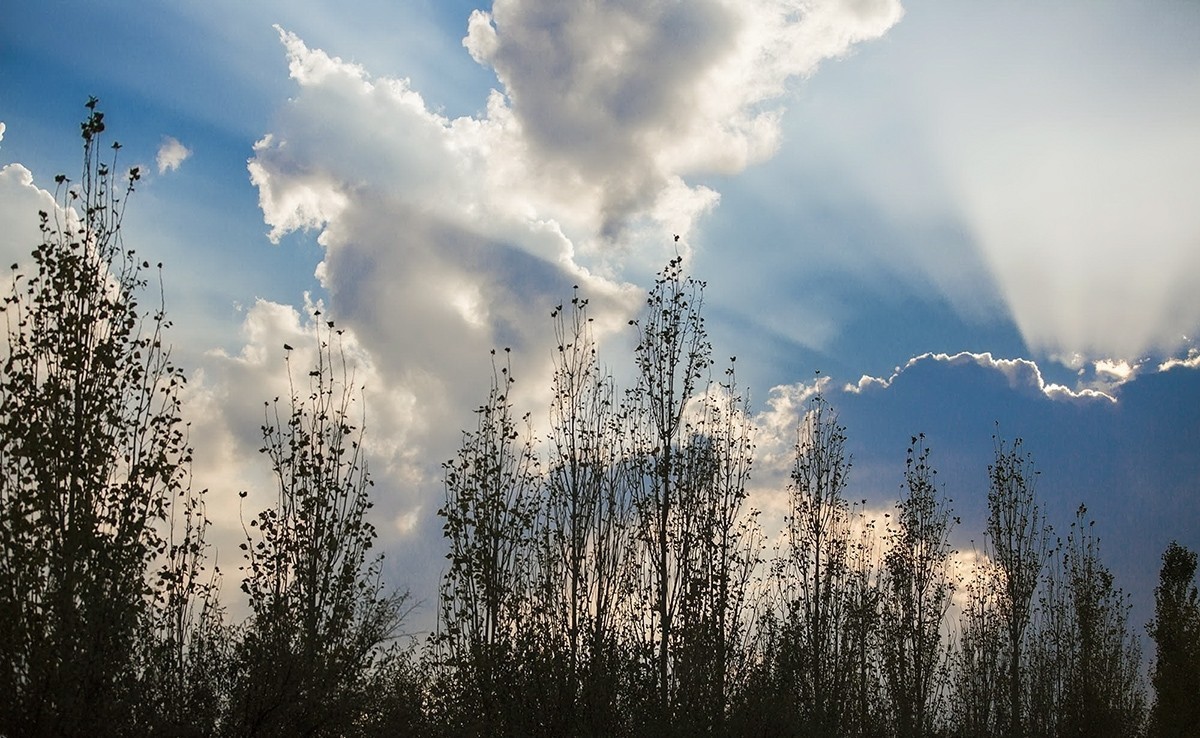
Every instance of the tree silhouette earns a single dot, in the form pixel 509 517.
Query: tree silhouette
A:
pixel 320 619
pixel 816 577
pixel 584 530
pixel 1085 664
pixel 101 588
pixel 978 671
pixel 492 490
pixel 673 356
pixel 916 597
pixel 1019 540
pixel 1176 633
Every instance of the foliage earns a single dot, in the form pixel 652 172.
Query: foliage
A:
pixel 916 597
pixel 1086 664
pixel 815 573
pixel 977 665
pixel 1019 539
pixel 491 493
pixel 1176 633
pixel 319 615
pixel 103 598
pixel 583 541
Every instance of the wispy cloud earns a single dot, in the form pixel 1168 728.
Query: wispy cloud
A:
pixel 1032 167
pixel 1075 170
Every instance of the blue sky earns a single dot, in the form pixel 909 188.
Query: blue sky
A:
pixel 962 215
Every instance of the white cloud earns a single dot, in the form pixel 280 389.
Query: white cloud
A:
pixel 619 102
pixel 1020 373
pixel 1191 361
pixel 2 129
pixel 1119 371
pixel 171 154
pixel 776 425
pixel 444 238
pixel 20 201
pixel 606 110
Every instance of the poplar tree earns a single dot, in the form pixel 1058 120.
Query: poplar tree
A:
pixel 585 528
pixel 916 596
pixel 1019 539
pixel 102 588
pixel 673 356
pixel 493 488
pixel 817 577
pixel 321 618
pixel 1176 634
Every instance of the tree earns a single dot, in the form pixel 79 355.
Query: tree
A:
pixel 1176 634
pixel 1085 663
pixel 977 661
pixel 916 597
pixel 817 577
pixel 585 527
pixel 720 550
pixel 492 490
pixel 673 357
pixel 1104 694
pixel 697 545
pixel 320 619
pixel 100 596
pixel 1019 539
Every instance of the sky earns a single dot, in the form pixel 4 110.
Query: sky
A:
pixel 959 219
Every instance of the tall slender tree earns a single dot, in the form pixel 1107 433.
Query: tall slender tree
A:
pixel 1085 662
pixel 320 616
pixel 816 574
pixel 492 502
pixel 1104 695
pixel 586 525
pixel 93 467
pixel 1019 538
pixel 979 676
pixel 673 356
pixel 916 598
pixel 719 552
pixel 1176 634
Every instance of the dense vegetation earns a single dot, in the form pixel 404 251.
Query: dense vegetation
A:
pixel 610 578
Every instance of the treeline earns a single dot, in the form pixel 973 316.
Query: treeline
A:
pixel 607 578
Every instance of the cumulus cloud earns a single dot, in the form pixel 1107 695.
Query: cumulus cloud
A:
pixel 171 154
pixel 1020 373
pixel 619 102
pixel 2 129
pixel 20 201
pixel 446 237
